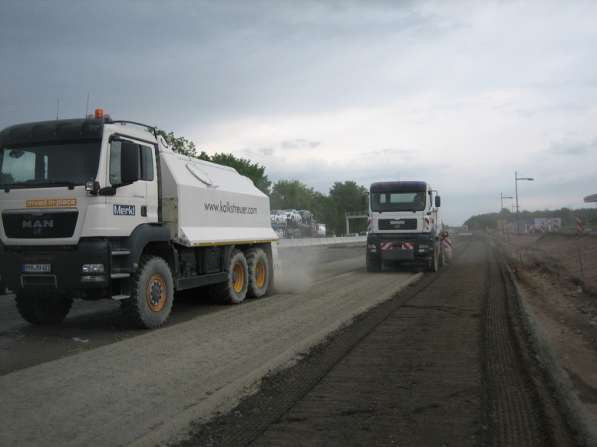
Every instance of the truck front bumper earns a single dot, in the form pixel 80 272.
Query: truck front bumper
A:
pixel 55 267
pixel 417 247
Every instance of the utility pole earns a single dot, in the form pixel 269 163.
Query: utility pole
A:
pixel 502 197
pixel 516 180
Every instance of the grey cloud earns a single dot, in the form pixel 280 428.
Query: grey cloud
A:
pixel 181 62
pixel 404 154
pixel 299 143
pixel 189 65
pixel 267 151
pixel 572 148
pixel 257 152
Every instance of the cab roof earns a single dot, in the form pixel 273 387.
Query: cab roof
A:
pixel 50 131
pixel 410 186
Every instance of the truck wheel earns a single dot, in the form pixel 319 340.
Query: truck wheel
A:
pixel 433 265
pixel 234 289
pixel 152 294
pixel 260 274
pixel 373 264
pixel 39 307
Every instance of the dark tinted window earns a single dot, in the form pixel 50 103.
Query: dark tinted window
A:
pixel 398 201
pixel 146 163
pixel 47 164
pixel 115 163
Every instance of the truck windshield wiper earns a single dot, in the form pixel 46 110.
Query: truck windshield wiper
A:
pixel 68 183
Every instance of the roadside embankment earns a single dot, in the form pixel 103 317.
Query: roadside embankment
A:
pixel 574 256
pixel 555 276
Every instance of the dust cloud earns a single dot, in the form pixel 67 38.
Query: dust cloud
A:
pixel 298 266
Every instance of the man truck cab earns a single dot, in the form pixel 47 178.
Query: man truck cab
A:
pixel 404 225
pixel 95 208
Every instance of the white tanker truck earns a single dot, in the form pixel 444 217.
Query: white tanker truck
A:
pixel 95 208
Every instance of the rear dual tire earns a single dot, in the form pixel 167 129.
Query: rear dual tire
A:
pixel 249 275
pixel 234 289
pixel 260 272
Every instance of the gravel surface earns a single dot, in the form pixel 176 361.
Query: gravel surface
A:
pixel 149 386
pixel 444 363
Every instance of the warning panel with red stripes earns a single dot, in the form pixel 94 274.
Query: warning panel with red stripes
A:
pixel 386 246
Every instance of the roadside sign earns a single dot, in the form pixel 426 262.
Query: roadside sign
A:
pixel 580 227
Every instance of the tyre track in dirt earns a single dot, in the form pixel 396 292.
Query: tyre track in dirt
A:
pixel 146 389
pixel 446 362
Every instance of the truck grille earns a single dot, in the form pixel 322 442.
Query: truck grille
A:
pixel 39 226
pixel 397 224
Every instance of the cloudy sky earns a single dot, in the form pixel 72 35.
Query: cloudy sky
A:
pixel 460 94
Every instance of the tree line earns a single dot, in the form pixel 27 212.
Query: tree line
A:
pixel 328 209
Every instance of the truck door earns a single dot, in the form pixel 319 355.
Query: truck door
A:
pixel 132 203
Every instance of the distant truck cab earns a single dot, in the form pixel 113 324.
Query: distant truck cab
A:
pixel 95 208
pixel 404 225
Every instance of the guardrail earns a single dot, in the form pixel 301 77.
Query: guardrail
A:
pixel 308 242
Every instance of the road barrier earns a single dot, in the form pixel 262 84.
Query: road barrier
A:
pixel 308 242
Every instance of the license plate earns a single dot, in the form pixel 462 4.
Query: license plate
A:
pixel 36 268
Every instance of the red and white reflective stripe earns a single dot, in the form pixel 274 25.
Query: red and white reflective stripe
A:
pixel 408 245
pixel 386 246
pixel 580 228
pixel 446 242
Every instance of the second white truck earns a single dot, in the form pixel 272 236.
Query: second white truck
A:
pixel 404 225
pixel 96 208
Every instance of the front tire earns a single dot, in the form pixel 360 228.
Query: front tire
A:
pixel 234 289
pixel 42 308
pixel 433 265
pixel 152 294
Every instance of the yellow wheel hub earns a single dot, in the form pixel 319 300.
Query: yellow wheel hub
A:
pixel 260 274
pixel 238 277
pixel 155 294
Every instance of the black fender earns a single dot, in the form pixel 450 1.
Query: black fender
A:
pixel 141 236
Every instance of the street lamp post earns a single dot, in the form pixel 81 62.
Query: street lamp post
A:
pixel 502 197
pixel 516 180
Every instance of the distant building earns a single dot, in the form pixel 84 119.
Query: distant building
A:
pixel 547 224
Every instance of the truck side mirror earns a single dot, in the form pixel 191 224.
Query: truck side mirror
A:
pixel 129 167
pixel 438 201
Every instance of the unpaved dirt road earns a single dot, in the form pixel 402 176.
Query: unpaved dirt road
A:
pixel 91 382
pixel 94 324
pixel 445 363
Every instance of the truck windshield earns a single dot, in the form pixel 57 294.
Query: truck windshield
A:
pixel 42 165
pixel 398 201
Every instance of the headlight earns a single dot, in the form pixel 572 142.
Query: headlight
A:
pixel 92 268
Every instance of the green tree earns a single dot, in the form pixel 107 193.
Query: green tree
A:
pixel 292 194
pixel 324 210
pixel 348 196
pixel 181 145
pixel 253 170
